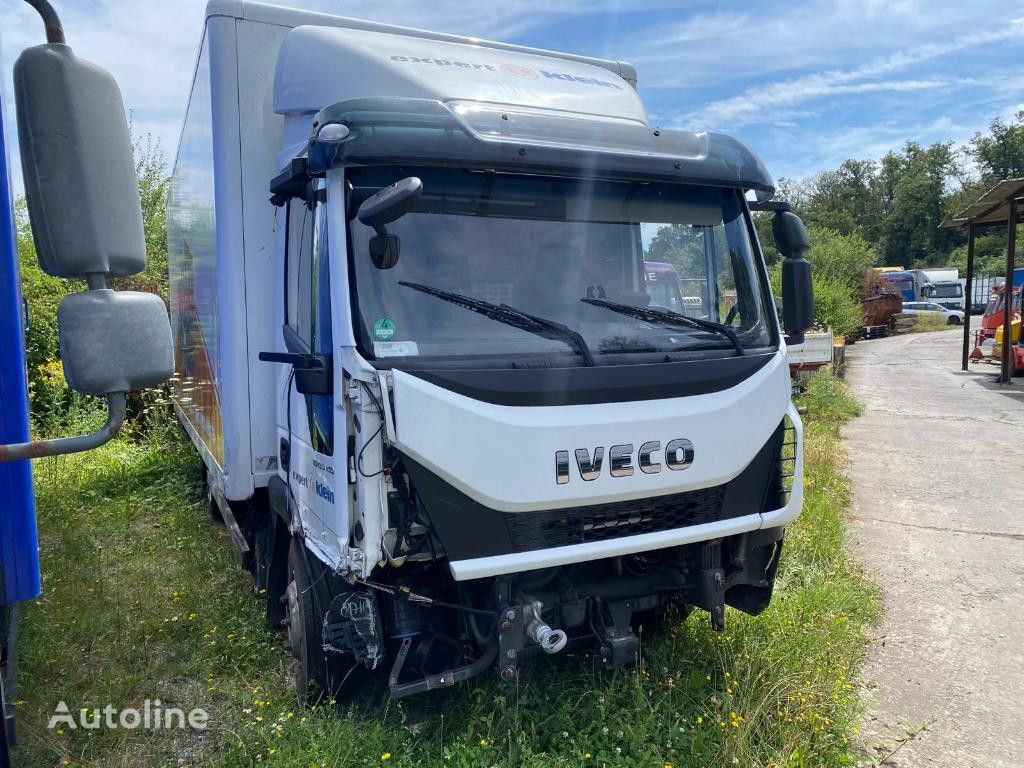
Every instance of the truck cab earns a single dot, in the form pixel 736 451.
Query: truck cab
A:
pixel 943 287
pixel 439 407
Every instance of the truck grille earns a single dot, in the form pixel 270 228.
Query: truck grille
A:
pixel 558 528
pixel 785 468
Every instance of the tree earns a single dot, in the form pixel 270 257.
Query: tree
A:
pixel 680 245
pixel 916 180
pixel 154 183
pixel 1000 155
pixel 845 199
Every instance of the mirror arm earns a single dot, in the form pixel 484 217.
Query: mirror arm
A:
pixel 116 403
pixel 54 29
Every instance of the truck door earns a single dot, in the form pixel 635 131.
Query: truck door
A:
pixel 308 422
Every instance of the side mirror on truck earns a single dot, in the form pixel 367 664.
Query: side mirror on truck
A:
pixel 86 217
pixel 793 243
pixel 797 290
pixel 383 207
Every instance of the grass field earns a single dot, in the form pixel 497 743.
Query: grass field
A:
pixel 925 322
pixel 143 600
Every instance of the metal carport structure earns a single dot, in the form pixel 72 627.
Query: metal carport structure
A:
pixel 997 207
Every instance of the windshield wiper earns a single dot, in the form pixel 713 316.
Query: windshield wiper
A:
pixel 503 313
pixel 667 317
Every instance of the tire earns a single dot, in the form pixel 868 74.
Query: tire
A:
pixel 953 320
pixel 319 676
pixel 302 621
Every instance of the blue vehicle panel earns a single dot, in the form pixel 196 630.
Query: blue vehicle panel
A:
pixel 19 549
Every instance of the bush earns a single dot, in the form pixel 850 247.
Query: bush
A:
pixel 42 294
pixel 838 265
pixel 841 259
pixel 836 305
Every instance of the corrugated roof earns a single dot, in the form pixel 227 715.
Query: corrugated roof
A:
pixel 991 208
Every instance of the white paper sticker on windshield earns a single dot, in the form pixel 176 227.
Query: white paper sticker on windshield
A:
pixel 395 348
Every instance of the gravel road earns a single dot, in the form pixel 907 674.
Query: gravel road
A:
pixel 937 465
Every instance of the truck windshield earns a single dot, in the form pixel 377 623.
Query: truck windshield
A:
pixel 952 291
pixel 541 247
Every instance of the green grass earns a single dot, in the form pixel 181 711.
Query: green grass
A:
pixel 143 599
pixel 931 321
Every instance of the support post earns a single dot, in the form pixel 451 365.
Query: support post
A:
pixel 1006 371
pixel 968 295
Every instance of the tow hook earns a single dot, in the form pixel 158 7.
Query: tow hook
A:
pixel 551 640
pixel 521 623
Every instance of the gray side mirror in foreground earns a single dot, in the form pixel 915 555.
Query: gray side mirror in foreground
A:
pixel 83 203
pixel 797 289
pixel 114 341
pixel 76 155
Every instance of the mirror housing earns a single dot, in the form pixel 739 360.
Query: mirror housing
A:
pixel 790 235
pixel 390 203
pixel 384 250
pixel 114 341
pixel 797 288
pixel 78 164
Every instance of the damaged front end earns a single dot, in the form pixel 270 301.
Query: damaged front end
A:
pixel 461 630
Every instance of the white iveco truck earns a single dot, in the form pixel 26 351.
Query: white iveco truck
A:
pixel 439 412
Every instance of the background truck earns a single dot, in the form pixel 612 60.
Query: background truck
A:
pixel 940 285
pixel 943 287
pixel 439 411
pixel 815 352
pixel 906 282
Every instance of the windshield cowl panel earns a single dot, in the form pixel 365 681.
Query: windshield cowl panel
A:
pixel 523 270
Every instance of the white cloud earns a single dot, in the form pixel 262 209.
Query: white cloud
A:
pixel 786 67
pixel 761 103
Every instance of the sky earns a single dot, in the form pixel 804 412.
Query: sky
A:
pixel 807 84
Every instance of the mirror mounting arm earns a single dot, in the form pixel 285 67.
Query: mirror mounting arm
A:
pixel 37 449
pixel 312 372
pixel 51 21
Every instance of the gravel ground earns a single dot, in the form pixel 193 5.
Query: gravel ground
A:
pixel 937 465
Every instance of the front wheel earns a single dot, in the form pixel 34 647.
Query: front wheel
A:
pixel 302 621
pixel 954 320
pixel 319 675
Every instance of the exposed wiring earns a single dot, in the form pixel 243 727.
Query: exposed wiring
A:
pixel 408 595
pixel 379 432
pixel 359 456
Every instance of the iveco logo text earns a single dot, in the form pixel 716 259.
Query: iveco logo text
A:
pixel 515 70
pixel 678 455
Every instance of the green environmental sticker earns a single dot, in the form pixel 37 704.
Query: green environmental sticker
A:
pixel 384 329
